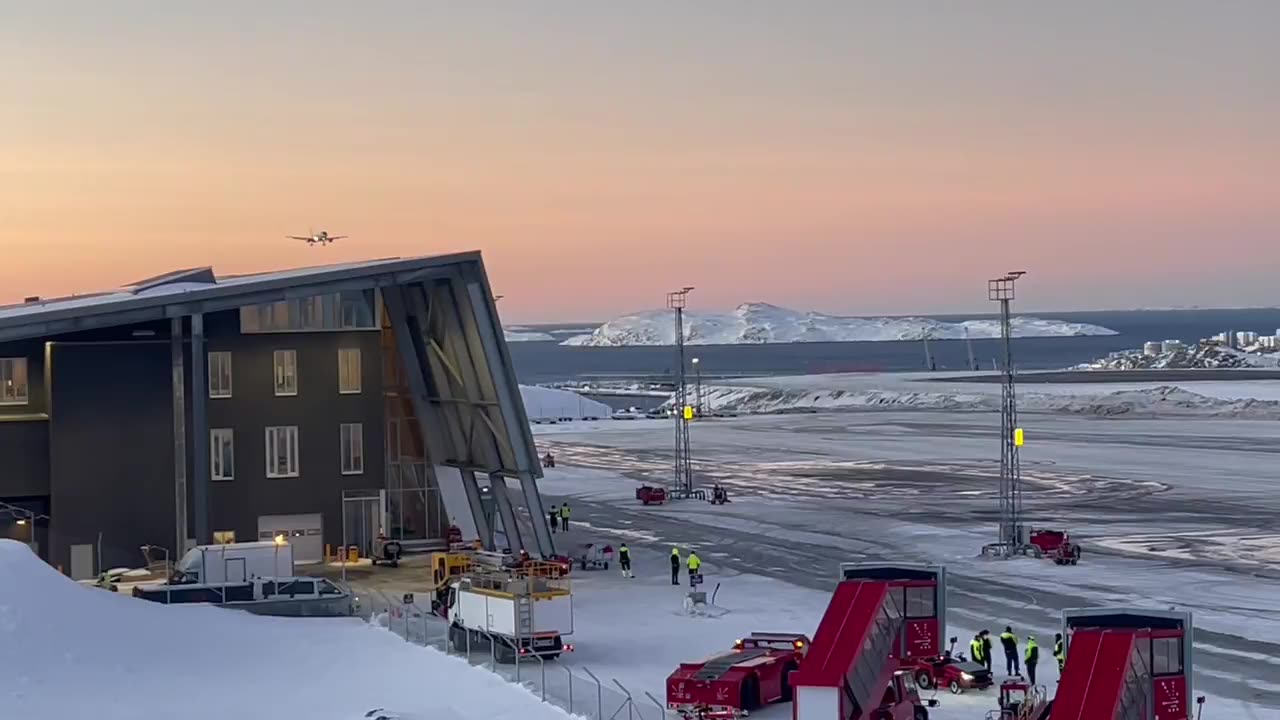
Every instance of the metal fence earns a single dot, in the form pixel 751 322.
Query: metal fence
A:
pixel 574 689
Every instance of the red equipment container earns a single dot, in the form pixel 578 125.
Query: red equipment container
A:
pixel 649 495
pixel 921 592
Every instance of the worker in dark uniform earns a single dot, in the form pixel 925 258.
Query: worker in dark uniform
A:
pixel 986 648
pixel 554 516
pixel 975 648
pixel 1010 643
pixel 1033 657
pixel 564 517
pixel 624 559
pixel 675 566
pixel 695 567
pixel 1059 653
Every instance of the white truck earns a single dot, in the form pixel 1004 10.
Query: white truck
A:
pixel 234 563
pixel 509 614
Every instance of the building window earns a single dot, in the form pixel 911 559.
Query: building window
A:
pixel 286 367
pixel 224 537
pixel 219 374
pixel 222 459
pixel 282 451
pixel 347 310
pixel 13 381
pixel 919 602
pixel 352 445
pixel 349 370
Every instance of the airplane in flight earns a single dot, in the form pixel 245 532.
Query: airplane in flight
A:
pixel 320 238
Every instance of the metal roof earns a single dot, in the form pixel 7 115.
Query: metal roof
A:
pixel 184 292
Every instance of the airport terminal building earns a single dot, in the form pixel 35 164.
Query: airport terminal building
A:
pixel 326 404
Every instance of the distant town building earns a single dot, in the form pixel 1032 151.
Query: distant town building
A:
pixel 1151 348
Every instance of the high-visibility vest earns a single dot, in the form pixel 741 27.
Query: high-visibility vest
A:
pixel 564 511
pixel 1031 647
pixel 975 649
pixel 694 562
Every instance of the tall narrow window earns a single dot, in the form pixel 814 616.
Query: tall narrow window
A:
pixel 348 370
pixel 351 441
pixel 282 451
pixel 222 457
pixel 13 381
pixel 286 367
pixel 219 374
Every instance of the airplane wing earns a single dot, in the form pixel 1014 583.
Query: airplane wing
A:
pixel 295 237
pixel 336 237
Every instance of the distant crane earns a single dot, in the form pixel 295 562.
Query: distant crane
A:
pixel 320 238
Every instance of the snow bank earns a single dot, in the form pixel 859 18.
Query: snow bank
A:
pixel 1199 357
pixel 72 652
pixel 834 392
pixel 544 403
pixel 756 323
pixel 525 335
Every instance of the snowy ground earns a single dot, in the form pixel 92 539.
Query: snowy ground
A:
pixel 69 652
pixel 1172 513
pixel 946 391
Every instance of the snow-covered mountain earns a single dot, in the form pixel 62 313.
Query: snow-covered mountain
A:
pixel 1198 357
pixel 758 323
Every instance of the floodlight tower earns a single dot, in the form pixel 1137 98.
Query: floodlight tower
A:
pixel 1010 540
pixel 682 485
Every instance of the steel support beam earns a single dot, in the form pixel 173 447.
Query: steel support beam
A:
pixel 506 511
pixel 199 433
pixel 519 435
pixel 472 487
pixel 179 437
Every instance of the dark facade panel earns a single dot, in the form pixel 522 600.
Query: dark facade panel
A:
pixel 318 410
pixel 24 449
pixel 111 450
pixel 33 351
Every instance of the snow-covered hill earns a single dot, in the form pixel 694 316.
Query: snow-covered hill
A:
pixel 68 652
pixel 1199 357
pixel 756 323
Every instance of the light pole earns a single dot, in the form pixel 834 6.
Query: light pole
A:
pixel 697 373
pixel 683 472
pixel 1010 539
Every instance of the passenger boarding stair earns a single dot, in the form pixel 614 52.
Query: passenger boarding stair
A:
pixel 848 666
pixel 1105 678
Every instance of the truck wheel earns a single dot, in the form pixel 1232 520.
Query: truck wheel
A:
pixel 786 682
pixel 924 679
pixel 750 694
pixel 920 713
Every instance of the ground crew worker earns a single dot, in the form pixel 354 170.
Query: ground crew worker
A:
pixel 564 517
pixel 1059 653
pixel 554 516
pixel 1010 643
pixel 694 563
pixel 1033 657
pixel 624 559
pixel 986 648
pixel 975 648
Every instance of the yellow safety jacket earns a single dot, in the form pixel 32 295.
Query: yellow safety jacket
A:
pixel 694 562
pixel 975 650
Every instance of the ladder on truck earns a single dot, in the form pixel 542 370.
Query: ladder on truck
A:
pixel 524 617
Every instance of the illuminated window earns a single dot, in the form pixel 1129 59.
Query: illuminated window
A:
pixel 347 310
pixel 349 370
pixel 224 537
pixel 13 381
pixel 286 370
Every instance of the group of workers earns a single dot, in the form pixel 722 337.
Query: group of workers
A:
pixel 980 651
pixel 559 518
pixel 692 562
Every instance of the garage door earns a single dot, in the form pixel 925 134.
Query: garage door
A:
pixel 304 532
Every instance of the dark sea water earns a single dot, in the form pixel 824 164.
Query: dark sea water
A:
pixel 541 362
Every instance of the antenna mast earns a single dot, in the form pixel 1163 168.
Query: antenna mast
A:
pixel 1011 539
pixel 682 483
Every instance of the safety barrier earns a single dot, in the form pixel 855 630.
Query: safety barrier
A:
pixel 552 681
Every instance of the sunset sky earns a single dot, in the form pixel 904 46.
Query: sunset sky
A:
pixel 850 157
